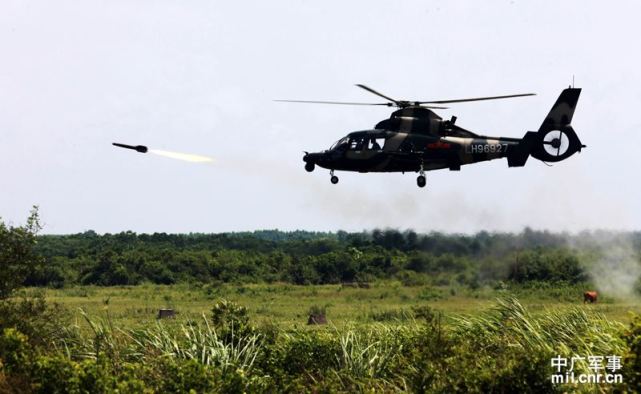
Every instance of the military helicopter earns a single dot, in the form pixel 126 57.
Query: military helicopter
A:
pixel 415 139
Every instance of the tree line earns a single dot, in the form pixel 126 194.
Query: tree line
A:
pixel 302 257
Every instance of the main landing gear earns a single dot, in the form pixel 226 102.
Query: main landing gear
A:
pixel 421 181
pixel 334 178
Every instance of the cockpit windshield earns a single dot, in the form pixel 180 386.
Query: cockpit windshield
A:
pixel 342 141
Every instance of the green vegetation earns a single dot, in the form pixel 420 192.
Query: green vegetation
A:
pixel 506 348
pixel 303 258
pixel 404 312
pixel 288 306
pixel 18 258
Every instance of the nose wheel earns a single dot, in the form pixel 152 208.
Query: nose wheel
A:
pixel 334 178
pixel 421 181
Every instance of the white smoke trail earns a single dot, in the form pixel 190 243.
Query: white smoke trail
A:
pixel 182 156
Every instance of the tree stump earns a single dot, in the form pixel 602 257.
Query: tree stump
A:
pixel 166 313
pixel 318 318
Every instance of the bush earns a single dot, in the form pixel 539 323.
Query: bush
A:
pixel 14 351
pixel 632 359
pixel 412 279
pixel 548 265
pixel 307 353
pixel 231 320
pixel 397 315
pixel 183 376
pixel 34 317
pixel 424 312
pixel 430 294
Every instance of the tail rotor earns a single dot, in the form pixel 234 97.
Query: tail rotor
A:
pixel 556 143
pixel 556 140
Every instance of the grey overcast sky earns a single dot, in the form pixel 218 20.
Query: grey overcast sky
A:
pixel 200 77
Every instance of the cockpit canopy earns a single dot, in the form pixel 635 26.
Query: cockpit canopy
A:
pixel 361 140
pixel 339 143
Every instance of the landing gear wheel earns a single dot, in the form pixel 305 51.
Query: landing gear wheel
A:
pixel 420 181
pixel 309 167
pixel 334 178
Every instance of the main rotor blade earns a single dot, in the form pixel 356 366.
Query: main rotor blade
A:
pixel 433 107
pixel 332 102
pixel 476 99
pixel 377 93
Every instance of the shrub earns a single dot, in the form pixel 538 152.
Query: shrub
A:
pixel 430 294
pixel 34 317
pixel 390 315
pixel 412 279
pixel 230 319
pixel 632 359
pixel 14 350
pixel 303 353
pixel 424 312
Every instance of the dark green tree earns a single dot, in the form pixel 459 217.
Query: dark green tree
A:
pixel 18 258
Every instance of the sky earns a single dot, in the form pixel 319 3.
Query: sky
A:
pixel 201 76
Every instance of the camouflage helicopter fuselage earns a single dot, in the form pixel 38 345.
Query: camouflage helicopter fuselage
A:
pixel 415 139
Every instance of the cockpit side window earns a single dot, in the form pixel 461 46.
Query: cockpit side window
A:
pixel 376 143
pixel 357 143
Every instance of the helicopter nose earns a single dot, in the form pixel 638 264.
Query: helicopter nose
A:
pixel 312 157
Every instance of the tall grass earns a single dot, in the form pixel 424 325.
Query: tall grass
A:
pixel 367 354
pixel 198 342
pixel 189 341
pixel 506 346
pixel 567 333
pixel 103 338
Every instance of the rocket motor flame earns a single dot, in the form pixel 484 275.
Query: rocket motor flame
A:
pixel 182 156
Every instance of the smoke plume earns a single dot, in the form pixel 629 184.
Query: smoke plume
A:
pixel 616 268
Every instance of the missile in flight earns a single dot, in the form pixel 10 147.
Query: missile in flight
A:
pixel 172 155
pixel 137 148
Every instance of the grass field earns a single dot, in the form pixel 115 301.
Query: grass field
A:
pixel 384 338
pixel 287 305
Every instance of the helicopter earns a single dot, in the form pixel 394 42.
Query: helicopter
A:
pixel 416 139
